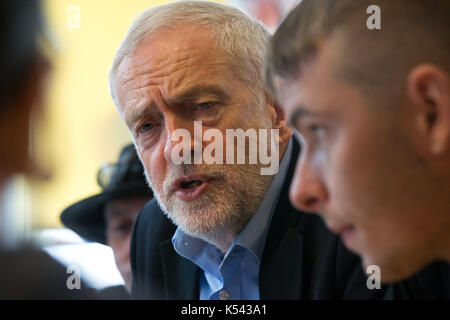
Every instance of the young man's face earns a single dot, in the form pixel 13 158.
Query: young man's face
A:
pixel 358 168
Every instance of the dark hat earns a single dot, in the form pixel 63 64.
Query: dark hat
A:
pixel 120 180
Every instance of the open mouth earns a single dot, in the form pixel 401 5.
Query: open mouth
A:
pixel 190 184
pixel 191 187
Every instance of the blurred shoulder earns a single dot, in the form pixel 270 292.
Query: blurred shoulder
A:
pixel 33 274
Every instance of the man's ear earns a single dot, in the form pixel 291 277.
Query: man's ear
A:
pixel 428 87
pixel 279 120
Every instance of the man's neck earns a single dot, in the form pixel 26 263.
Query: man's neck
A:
pixel 225 238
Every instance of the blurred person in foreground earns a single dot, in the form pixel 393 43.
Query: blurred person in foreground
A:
pixel 24 273
pixel 217 230
pixel 373 110
pixel 108 217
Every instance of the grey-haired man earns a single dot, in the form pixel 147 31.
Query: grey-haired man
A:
pixel 217 231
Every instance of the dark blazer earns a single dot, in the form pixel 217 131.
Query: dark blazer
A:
pixel 301 258
pixel 430 283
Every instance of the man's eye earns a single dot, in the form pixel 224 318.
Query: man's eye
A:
pixel 205 106
pixel 313 131
pixel 146 127
pixel 316 129
pixel 123 227
pixel 319 132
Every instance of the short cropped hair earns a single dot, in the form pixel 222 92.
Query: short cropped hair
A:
pixel 377 61
pixel 241 39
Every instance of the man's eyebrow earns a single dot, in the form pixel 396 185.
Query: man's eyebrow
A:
pixel 138 112
pixel 196 92
pixel 190 94
pixel 299 113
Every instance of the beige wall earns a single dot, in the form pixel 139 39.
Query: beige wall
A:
pixel 81 129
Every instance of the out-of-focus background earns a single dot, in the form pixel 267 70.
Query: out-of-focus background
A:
pixel 81 129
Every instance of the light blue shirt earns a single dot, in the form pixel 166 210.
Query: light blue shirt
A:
pixel 235 276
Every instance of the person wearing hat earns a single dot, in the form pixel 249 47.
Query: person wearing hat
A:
pixel 108 217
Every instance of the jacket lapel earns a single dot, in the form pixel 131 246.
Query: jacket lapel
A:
pixel 281 273
pixel 180 276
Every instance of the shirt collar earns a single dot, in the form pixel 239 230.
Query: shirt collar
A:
pixel 254 234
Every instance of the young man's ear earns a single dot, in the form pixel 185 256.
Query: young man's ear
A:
pixel 429 91
pixel 279 121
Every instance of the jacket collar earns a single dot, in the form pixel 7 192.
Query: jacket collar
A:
pixel 282 257
pixel 283 252
pixel 180 276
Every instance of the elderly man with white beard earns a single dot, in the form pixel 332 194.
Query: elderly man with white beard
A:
pixel 218 230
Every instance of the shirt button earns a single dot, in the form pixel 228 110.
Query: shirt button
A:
pixel 224 295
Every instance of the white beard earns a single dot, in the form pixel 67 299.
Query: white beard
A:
pixel 224 209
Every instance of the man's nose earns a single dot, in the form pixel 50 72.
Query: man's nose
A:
pixel 180 138
pixel 308 191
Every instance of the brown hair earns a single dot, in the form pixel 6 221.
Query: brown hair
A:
pixel 412 32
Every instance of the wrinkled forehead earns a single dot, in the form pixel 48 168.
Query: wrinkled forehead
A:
pixel 178 41
pixel 172 58
pixel 171 47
